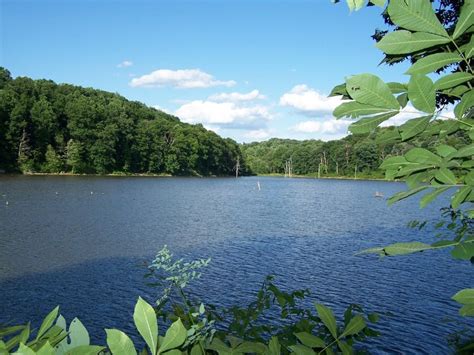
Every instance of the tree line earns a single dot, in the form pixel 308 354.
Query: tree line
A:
pixel 354 154
pixel 51 128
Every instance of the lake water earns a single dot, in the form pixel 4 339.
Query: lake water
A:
pixel 81 242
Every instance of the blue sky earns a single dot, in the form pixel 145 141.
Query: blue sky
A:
pixel 248 69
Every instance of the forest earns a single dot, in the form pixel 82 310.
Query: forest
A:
pixel 51 128
pixel 355 155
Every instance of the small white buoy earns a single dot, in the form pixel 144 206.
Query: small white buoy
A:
pixel 258 185
pixel 6 203
pixel 92 193
pixel 57 193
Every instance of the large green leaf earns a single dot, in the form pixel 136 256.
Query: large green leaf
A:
pixel 310 340
pixel 467 310
pixel 433 62
pixel 175 336
pixel 469 48
pixel 467 151
pixel 467 102
pixel 452 80
pixel 47 322
pixel 46 349
pixel 465 296
pixel 397 88
pixel 119 343
pixel 414 127
pixel 145 320
pixel 388 136
pixel 406 248
pixel 445 150
pixel 460 196
pixel 356 324
pixel 422 93
pixel 465 20
pixel 445 176
pixel 371 90
pixel 463 251
pixel 365 125
pixel 24 350
pixel 405 42
pixel 248 347
pixel 274 347
pixel 86 350
pixel 301 350
pixel 393 163
pixel 356 109
pixel 422 156
pixel 415 15
pixel 327 317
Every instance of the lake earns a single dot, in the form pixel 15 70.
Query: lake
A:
pixel 81 242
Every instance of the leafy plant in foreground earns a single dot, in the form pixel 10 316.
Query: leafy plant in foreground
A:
pixel 371 101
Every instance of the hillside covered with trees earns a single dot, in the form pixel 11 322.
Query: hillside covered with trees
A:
pixel 51 128
pixel 361 154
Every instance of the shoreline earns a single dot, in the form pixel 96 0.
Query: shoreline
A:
pixel 144 175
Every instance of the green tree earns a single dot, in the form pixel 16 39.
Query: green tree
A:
pixel 74 156
pixel 53 163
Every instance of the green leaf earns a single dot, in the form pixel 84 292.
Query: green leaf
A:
pixel 452 80
pixel 24 350
pixel 355 4
pixel 274 347
pixel 46 349
pixel 175 336
pixel 405 42
pixel 248 347
pixel 393 163
pixel 365 125
pixel 345 348
pixel 404 194
pixel 310 340
pixel 388 136
pixel 416 16
pixel 467 151
pixel 145 320
pixel 327 317
pixel 466 103
pixel 422 156
pixel 465 296
pixel 356 109
pixel 422 93
pixel 465 20
pixel 47 322
pixel 403 99
pixel 469 50
pixel 429 197
pixel 219 346
pixel 460 196
pixel 119 343
pixel 406 248
pixel 370 90
pixel 356 324
pixel 301 350
pixel 445 176
pixel 445 150
pixel 463 251
pixel 433 62
pixel 397 88
pixel 414 127
pixel 467 310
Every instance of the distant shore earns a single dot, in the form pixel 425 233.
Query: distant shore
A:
pixel 309 176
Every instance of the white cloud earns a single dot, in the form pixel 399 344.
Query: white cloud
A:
pixel 329 127
pixel 237 97
pixel 309 101
pixel 222 113
pixel 125 64
pixel 183 79
pixel 258 134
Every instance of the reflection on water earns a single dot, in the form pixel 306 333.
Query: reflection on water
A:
pixel 81 241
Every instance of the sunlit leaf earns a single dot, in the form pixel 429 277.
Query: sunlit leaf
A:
pixel 465 20
pixel 327 317
pixel 310 340
pixel 404 42
pixel 433 62
pixel 365 125
pixel 145 320
pixel 452 80
pixel 370 90
pixel 119 343
pixel 422 93
pixel 413 127
pixel 175 336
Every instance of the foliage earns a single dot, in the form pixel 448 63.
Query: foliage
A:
pixel 45 127
pixel 420 34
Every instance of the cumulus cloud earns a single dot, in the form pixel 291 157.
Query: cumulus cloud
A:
pixel 125 64
pixel 309 101
pixel 258 134
pixel 222 113
pixel 182 79
pixel 237 97
pixel 329 127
